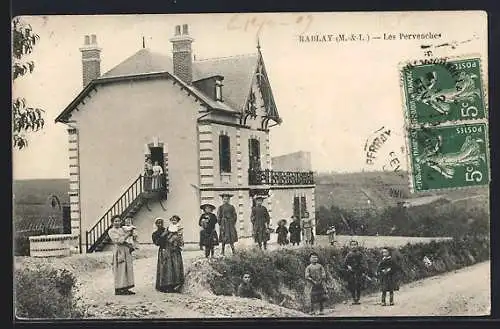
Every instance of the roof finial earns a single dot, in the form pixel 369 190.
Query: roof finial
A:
pixel 258 41
pixel 143 43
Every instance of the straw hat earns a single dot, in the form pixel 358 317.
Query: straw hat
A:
pixel 202 207
pixel 226 194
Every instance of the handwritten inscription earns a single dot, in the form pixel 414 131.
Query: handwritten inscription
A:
pixel 259 22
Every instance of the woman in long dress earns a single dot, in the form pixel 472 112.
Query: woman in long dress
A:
pixel 307 230
pixel 123 270
pixel 157 175
pixel 170 269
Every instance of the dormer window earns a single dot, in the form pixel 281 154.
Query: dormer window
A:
pixel 218 90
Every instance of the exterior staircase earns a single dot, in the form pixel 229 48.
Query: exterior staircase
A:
pixel 138 195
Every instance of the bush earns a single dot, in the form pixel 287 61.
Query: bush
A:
pixel 279 274
pixel 46 292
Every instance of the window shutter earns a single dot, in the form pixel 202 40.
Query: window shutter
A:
pixel 296 212
pixel 224 154
pixel 303 205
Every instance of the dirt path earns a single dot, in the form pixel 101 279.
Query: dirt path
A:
pixel 97 290
pixel 462 292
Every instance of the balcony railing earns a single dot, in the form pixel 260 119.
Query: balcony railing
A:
pixel 271 177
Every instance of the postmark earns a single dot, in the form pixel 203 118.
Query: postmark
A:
pixel 448 156
pixel 441 90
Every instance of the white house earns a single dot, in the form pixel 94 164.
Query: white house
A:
pixel 206 122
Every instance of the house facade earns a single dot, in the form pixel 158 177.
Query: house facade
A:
pixel 206 123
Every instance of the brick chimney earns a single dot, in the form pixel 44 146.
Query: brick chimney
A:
pixel 91 59
pixel 182 56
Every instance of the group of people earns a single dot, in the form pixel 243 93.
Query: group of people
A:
pixel 170 269
pixel 355 269
pixel 152 175
pixel 169 239
pixel 226 219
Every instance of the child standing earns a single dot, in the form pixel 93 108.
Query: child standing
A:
pixel 387 271
pixel 207 222
pixel 295 231
pixel 331 234
pixel 316 275
pixel 131 239
pixel 282 232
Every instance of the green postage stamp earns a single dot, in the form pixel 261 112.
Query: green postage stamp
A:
pixel 451 156
pixel 442 90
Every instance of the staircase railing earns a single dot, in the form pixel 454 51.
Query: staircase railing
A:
pixel 98 232
pixel 143 185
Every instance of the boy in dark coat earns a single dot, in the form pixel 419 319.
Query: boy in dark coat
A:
pixel 226 216
pixel 356 267
pixel 282 232
pixel 387 272
pixel 246 290
pixel 260 221
pixel 208 235
pixel 295 231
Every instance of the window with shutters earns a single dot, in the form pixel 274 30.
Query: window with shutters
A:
pixel 224 154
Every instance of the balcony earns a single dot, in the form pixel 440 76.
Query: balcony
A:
pixel 271 177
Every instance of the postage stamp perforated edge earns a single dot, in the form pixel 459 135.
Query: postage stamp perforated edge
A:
pixel 409 158
pixel 407 123
pixel 428 60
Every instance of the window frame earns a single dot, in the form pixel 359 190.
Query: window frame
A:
pixel 225 165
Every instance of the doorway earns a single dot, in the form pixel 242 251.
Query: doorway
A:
pixel 157 156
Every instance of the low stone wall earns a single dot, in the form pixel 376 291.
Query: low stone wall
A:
pixel 55 245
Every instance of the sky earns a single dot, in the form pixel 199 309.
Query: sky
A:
pixel 332 96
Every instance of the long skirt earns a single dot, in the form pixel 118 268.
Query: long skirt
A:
pixel 123 270
pixel 170 269
pixel 308 234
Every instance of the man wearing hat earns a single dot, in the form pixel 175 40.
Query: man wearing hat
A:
pixel 208 234
pixel 226 216
pixel 260 220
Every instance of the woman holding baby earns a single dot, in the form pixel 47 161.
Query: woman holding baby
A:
pixel 123 270
pixel 170 269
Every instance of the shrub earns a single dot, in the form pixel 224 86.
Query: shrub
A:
pixel 46 292
pixel 279 274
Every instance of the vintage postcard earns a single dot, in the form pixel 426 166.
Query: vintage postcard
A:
pixel 251 165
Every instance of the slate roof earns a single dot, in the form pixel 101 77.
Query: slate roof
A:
pixel 236 70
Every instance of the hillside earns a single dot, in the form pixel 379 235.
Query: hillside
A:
pixel 379 190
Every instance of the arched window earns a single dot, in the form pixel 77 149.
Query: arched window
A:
pixel 224 154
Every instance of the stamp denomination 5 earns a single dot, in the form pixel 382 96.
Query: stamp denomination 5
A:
pixel 442 91
pixel 448 157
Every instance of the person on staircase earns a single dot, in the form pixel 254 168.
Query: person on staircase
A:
pixel 208 235
pixel 157 176
pixel 122 264
pixel 148 174
pixel 226 216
